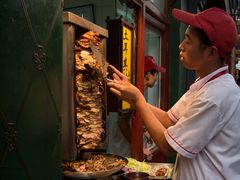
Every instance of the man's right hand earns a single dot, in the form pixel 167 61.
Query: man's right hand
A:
pixel 121 87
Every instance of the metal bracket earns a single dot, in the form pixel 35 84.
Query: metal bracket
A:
pixel 39 58
pixel 11 136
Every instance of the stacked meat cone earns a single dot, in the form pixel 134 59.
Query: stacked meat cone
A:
pixel 90 131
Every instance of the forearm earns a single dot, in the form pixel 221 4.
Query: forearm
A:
pixel 161 115
pixel 154 126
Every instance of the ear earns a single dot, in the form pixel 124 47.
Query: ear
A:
pixel 147 76
pixel 213 51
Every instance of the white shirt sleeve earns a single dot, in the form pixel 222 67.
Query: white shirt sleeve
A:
pixel 174 114
pixel 195 128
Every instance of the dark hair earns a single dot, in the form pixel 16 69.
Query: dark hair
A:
pixel 152 71
pixel 203 37
pixel 203 5
pixel 206 42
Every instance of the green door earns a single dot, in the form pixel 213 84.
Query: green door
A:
pixel 30 89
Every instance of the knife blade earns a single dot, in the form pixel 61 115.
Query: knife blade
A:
pixel 99 57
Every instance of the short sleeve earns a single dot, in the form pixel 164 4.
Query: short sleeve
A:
pixel 174 113
pixel 195 128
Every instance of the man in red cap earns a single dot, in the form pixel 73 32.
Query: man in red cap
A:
pixel 203 126
pixel 151 70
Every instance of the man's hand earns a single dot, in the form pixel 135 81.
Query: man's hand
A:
pixel 121 87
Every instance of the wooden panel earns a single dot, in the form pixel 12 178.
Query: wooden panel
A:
pixel 79 21
pixel 114 56
pixel 69 150
pixel 137 125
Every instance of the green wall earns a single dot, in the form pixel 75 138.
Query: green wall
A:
pixel 176 71
pixel 30 93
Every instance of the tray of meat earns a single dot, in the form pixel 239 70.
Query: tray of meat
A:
pixel 96 166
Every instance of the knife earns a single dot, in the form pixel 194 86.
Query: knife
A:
pixel 99 57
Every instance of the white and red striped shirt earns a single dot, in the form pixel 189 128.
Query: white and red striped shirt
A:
pixel 206 131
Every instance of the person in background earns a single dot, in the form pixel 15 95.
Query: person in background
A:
pixel 202 128
pixel 151 72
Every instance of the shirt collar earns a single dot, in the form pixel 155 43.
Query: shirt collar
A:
pixel 199 83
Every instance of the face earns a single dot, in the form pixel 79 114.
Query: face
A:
pixel 192 53
pixel 150 79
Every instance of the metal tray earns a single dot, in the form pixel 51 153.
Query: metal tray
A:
pixel 97 174
pixel 156 166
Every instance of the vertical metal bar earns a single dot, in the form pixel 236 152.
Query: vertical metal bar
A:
pixel 69 151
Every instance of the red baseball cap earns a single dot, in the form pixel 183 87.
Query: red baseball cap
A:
pixel 150 63
pixel 218 25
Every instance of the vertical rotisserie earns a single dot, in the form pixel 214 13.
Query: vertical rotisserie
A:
pixel 90 77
